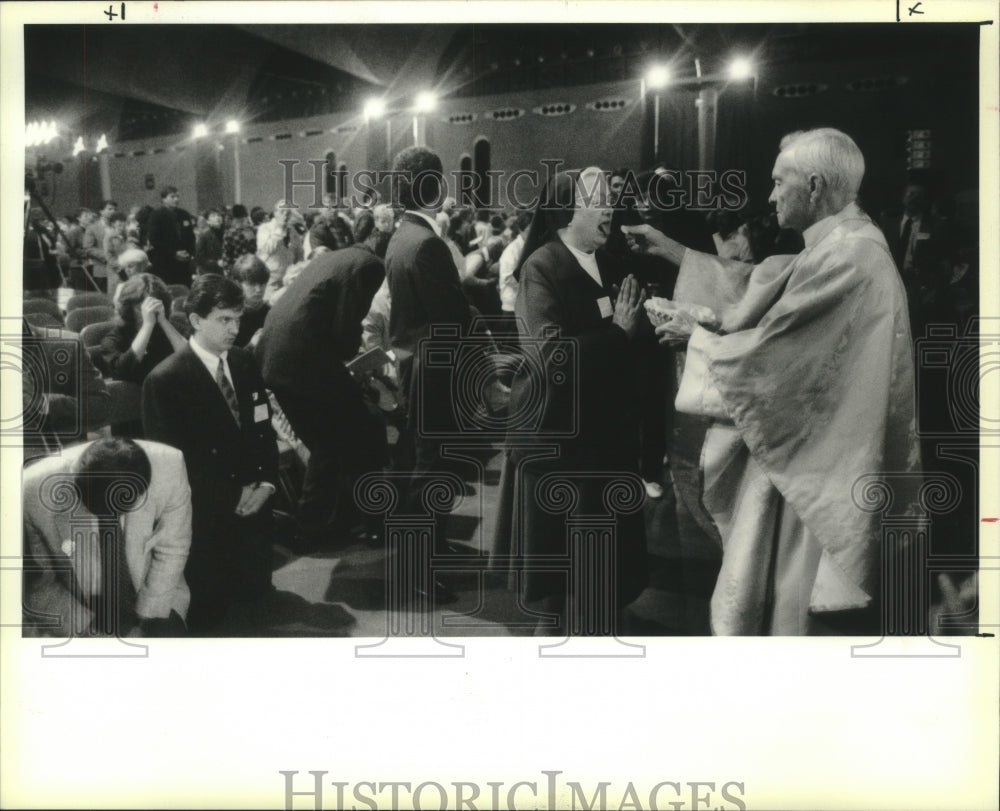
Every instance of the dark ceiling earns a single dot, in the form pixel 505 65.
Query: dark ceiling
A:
pixel 145 80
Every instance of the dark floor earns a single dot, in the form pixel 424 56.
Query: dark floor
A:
pixel 344 593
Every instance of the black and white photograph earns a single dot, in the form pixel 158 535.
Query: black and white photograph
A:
pixel 488 405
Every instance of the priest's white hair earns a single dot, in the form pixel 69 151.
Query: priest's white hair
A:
pixel 829 154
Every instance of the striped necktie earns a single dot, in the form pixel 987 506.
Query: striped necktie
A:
pixel 227 391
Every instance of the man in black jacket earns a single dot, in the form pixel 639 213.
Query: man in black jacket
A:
pixel 426 293
pixel 209 401
pixel 313 328
pixel 171 237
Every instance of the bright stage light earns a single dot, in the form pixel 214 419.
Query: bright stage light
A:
pixel 232 126
pixel 78 147
pixel 658 76
pixel 38 133
pixel 740 68
pixel 200 130
pixel 102 143
pixel 374 108
pixel 425 102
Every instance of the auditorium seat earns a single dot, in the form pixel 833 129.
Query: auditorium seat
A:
pixel 76 320
pixel 92 335
pixel 44 319
pixel 180 322
pixel 92 299
pixel 126 406
pixel 42 305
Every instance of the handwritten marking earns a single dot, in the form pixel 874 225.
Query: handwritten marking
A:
pixel 989 520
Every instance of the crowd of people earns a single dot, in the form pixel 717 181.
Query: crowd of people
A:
pixel 233 322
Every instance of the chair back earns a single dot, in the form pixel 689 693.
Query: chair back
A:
pixel 93 334
pixel 42 305
pixel 43 320
pixel 76 320
pixel 180 322
pixel 126 402
pixel 92 299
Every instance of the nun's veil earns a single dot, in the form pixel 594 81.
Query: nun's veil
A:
pixel 553 211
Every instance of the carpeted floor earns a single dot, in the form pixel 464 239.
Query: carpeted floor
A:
pixel 344 593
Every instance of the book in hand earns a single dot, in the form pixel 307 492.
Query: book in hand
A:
pixel 369 361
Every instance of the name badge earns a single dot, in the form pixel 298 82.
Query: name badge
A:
pixel 260 413
pixel 605 306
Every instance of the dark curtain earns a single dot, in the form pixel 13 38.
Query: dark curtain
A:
pixel 678 128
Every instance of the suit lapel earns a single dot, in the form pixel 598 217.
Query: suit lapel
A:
pixel 208 390
pixel 243 385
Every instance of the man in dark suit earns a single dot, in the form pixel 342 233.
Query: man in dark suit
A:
pixel 171 237
pixel 426 292
pixel 902 229
pixel 209 401
pixel 308 335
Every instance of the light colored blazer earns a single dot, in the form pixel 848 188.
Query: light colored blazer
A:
pixel 157 540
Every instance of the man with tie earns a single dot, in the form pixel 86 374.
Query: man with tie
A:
pixel 209 401
pixel 901 231
pixel 107 529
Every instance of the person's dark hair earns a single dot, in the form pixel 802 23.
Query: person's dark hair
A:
pixel 364 226
pixel 118 216
pixel 239 212
pixel 212 290
pixel 494 246
pixel 553 211
pixel 497 224
pixel 134 291
pixel 106 203
pixel 622 173
pixel 342 231
pixel 112 476
pixel 322 235
pixel 523 219
pixel 726 223
pixel 258 215
pixel 250 269
pixel 167 190
pixel 419 185
pixel 81 211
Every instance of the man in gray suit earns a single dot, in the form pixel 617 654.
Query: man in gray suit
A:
pixel 107 529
